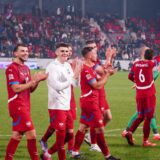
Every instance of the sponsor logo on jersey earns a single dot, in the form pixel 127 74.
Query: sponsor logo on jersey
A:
pixel 26 79
pixel 10 76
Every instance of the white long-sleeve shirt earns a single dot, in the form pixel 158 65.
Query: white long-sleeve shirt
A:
pixel 59 83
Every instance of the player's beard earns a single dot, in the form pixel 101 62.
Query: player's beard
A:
pixel 23 59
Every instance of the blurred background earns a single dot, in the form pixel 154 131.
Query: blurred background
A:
pixel 125 24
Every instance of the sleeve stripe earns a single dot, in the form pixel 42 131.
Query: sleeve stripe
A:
pixel 95 66
pixel 15 82
pixel 92 80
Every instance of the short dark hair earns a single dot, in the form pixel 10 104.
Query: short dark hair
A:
pixel 69 45
pixel 90 41
pixel 86 50
pixel 148 54
pixel 61 44
pixel 18 45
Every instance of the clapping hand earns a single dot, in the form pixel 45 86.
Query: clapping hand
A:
pixel 110 54
pixel 40 76
pixel 78 68
pixel 110 70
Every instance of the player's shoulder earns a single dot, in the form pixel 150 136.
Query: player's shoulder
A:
pixel 67 64
pixel 140 61
pixel 50 64
pixel 11 66
pixel 85 68
pixel 136 60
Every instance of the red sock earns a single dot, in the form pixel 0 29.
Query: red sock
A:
pixel 48 133
pixel 32 149
pixel 70 144
pixel 70 139
pixel 135 124
pixel 102 144
pixel 60 138
pixel 11 149
pixel 53 149
pixel 78 140
pixel 93 136
pixel 146 129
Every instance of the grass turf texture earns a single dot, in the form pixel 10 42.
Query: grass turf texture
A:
pixel 122 103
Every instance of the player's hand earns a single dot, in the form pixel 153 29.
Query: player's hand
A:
pixel 78 68
pixel 110 54
pixel 134 86
pixel 106 66
pixel 40 76
pixel 74 62
pixel 110 71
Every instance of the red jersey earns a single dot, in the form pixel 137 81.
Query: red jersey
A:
pixel 157 58
pixel 142 74
pixel 87 77
pixel 73 101
pixel 18 74
pixel 73 104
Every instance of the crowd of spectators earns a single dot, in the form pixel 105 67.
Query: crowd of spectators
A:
pixel 131 34
pixel 41 33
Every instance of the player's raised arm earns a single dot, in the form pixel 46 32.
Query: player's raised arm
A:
pixel 110 54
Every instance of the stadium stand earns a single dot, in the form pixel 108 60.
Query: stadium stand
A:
pixel 42 32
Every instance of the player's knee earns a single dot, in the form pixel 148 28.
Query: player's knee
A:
pixel 17 137
pixel 86 130
pixel 148 118
pixel 107 116
pixel 110 117
pixel 69 136
pixel 31 134
pixel 140 117
pixel 70 131
pixel 83 128
pixel 51 128
pixel 99 130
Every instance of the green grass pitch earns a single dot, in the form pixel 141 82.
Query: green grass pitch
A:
pixel 122 103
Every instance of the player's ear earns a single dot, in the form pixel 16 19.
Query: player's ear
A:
pixel 15 54
pixel 56 52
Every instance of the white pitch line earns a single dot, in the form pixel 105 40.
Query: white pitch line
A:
pixel 108 133
pixel 113 130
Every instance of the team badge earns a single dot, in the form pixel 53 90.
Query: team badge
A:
pixel 88 76
pixel 68 71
